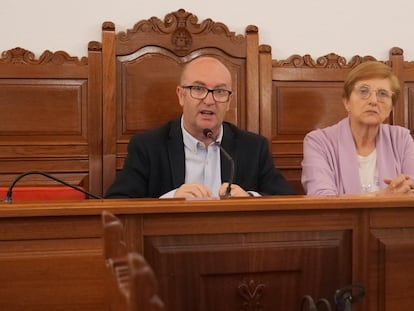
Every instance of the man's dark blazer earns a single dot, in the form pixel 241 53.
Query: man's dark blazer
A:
pixel 155 163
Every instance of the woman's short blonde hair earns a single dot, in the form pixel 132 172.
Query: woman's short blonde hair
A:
pixel 371 70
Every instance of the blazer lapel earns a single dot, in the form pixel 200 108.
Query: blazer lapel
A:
pixel 175 147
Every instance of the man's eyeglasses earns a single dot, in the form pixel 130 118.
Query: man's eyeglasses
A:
pixel 365 92
pixel 201 92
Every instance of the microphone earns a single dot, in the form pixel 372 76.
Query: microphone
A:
pixel 209 134
pixel 8 198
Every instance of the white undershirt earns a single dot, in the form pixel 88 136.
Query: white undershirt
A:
pixel 368 172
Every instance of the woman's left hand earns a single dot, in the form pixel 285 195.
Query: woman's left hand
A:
pixel 399 185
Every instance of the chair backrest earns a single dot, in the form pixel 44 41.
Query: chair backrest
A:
pixel 305 94
pixel 403 113
pixel 50 117
pixel 144 286
pixel 113 237
pixel 141 69
pixel 133 277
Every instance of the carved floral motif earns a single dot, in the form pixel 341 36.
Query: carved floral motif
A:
pixel 331 60
pixel 22 56
pixel 252 295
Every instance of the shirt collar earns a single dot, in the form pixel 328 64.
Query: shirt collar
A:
pixel 191 142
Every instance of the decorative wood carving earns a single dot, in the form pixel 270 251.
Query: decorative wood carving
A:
pixel 330 60
pixel 19 55
pixel 94 46
pixel 396 51
pixel 252 294
pixel 181 26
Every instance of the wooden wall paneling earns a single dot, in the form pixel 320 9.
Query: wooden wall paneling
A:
pixel 306 94
pixel 47 119
pixel 403 113
pixel 141 69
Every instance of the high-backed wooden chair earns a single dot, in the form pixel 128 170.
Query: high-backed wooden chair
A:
pixel 301 94
pixel 133 276
pixel 141 69
pixel 50 117
pixel 403 112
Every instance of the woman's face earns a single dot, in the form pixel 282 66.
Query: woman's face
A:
pixel 370 102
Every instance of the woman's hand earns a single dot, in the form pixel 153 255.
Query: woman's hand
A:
pixel 398 185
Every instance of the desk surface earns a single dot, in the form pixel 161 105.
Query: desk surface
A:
pixel 156 206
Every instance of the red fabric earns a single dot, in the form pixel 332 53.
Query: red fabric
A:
pixel 42 193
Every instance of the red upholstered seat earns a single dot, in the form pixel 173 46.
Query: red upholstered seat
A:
pixel 40 193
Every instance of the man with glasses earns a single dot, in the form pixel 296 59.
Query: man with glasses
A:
pixel 199 155
pixel 361 154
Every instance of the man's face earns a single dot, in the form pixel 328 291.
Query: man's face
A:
pixel 200 76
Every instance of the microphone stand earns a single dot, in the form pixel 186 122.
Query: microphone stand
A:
pixel 209 134
pixel 8 198
pixel 227 155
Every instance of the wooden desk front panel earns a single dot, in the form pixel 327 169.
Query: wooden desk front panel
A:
pixel 246 270
pixel 391 260
pixel 240 260
pixel 212 255
pixel 52 263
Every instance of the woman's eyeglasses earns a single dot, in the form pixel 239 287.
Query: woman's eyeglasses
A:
pixel 365 92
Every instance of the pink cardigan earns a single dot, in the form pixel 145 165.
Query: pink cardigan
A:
pixel 330 163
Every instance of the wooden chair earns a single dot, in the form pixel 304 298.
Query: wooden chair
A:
pixel 403 114
pixel 51 117
pixel 141 69
pixel 302 94
pixel 133 276
pixel 115 250
pixel 143 286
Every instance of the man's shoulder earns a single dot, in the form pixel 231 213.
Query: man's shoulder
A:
pixel 160 132
pixel 239 133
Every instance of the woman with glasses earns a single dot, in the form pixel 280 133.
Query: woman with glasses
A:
pixel 361 154
pixel 199 155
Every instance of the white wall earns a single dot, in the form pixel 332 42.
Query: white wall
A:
pixel 318 27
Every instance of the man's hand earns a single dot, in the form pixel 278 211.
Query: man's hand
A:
pixel 236 190
pixel 190 191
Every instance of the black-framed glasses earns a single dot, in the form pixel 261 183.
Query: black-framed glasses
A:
pixel 365 92
pixel 201 92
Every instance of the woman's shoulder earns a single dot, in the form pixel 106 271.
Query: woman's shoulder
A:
pixel 395 131
pixel 328 131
